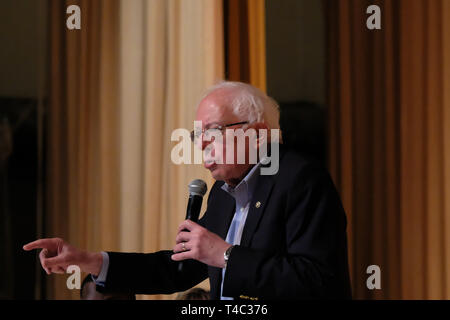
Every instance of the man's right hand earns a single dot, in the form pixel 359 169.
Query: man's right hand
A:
pixel 56 255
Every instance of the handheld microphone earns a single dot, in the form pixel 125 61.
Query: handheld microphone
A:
pixel 197 189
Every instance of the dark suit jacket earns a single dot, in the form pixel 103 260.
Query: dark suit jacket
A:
pixel 293 246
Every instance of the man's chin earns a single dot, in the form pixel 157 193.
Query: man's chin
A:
pixel 215 173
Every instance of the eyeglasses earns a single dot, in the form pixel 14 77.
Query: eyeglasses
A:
pixel 210 132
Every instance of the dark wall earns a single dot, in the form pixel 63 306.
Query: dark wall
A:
pixel 295 45
pixel 295 50
pixel 23 60
pixel 18 193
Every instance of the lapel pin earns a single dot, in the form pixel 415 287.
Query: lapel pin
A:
pixel 258 204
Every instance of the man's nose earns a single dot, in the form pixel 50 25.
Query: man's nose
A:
pixel 201 143
pixel 204 143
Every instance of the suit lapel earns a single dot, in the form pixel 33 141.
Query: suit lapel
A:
pixel 259 200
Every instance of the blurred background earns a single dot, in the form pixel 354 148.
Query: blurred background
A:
pixel 86 118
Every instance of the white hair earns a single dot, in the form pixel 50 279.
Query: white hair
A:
pixel 249 103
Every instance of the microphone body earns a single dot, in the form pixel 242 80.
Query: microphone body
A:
pixel 194 206
pixel 197 190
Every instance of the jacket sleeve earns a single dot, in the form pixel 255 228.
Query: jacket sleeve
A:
pixel 315 259
pixel 152 273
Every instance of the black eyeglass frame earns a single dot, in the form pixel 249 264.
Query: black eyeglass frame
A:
pixel 221 128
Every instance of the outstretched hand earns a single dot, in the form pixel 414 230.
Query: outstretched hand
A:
pixel 57 255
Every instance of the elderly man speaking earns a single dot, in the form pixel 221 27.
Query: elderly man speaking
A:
pixel 263 236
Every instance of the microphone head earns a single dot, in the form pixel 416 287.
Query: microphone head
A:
pixel 198 187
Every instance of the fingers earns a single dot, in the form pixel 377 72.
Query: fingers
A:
pixel 41 244
pixel 55 255
pixel 42 256
pixel 58 270
pixel 181 256
pixel 51 264
pixel 183 236
pixel 56 262
pixel 188 225
pixel 182 247
pixel 188 233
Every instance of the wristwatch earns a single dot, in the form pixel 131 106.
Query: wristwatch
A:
pixel 226 255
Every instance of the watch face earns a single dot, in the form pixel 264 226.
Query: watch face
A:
pixel 227 253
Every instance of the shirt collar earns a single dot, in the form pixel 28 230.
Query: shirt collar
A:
pixel 243 192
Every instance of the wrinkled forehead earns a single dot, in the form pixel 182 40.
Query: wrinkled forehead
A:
pixel 216 109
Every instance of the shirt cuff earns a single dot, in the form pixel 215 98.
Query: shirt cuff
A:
pixel 101 278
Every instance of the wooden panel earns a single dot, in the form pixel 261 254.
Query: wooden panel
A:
pixel 237 40
pixel 434 143
pixel 412 150
pixel 257 43
pixel 391 271
pixel 446 139
pixel 378 165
